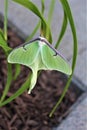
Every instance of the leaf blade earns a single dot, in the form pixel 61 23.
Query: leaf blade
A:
pixel 67 9
pixel 31 6
pixel 63 30
pixel 19 91
pixel 8 82
pixel 3 43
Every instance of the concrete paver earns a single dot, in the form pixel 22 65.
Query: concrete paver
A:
pixel 77 120
pixel 81 67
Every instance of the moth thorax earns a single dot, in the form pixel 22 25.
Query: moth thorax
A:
pixel 41 43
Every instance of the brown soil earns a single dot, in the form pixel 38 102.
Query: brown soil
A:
pixel 30 112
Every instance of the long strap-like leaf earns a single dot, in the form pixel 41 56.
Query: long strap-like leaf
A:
pixel 63 29
pixel 33 32
pixel 19 92
pixel 6 48
pixel 3 43
pixel 8 83
pixel 67 9
pixel 51 10
pixel 31 6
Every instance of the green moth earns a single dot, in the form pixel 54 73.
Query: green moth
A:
pixel 38 55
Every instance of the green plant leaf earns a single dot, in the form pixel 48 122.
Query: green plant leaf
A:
pixel 17 71
pixel 3 43
pixel 43 6
pixel 33 32
pixel 8 82
pixel 38 55
pixel 51 10
pixel 63 29
pixel 19 91
pixel 5 18
pixel 68 12
pixel 73 29
pixel 42 32
pixel 31 6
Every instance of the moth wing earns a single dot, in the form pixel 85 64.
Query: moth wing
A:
pixel 24 55
pixel 53 62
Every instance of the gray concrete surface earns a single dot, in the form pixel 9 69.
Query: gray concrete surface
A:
pixel 77 120
pixel 81 66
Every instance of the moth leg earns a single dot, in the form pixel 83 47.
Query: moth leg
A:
pixel 24 47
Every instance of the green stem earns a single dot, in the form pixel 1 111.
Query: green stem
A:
pixel 42 32
pixel 42 6
pixel 18 92
pixel 63 29
pixel 9 66
pixel 68 12
pixel 33 32
pixel 51 10
pixel 50 14
pixel 8 83
pixel 5 19
pixel 61 98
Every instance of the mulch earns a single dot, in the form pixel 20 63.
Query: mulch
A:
pixel 31 112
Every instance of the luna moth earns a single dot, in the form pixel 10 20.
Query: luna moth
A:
pixel 39 54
